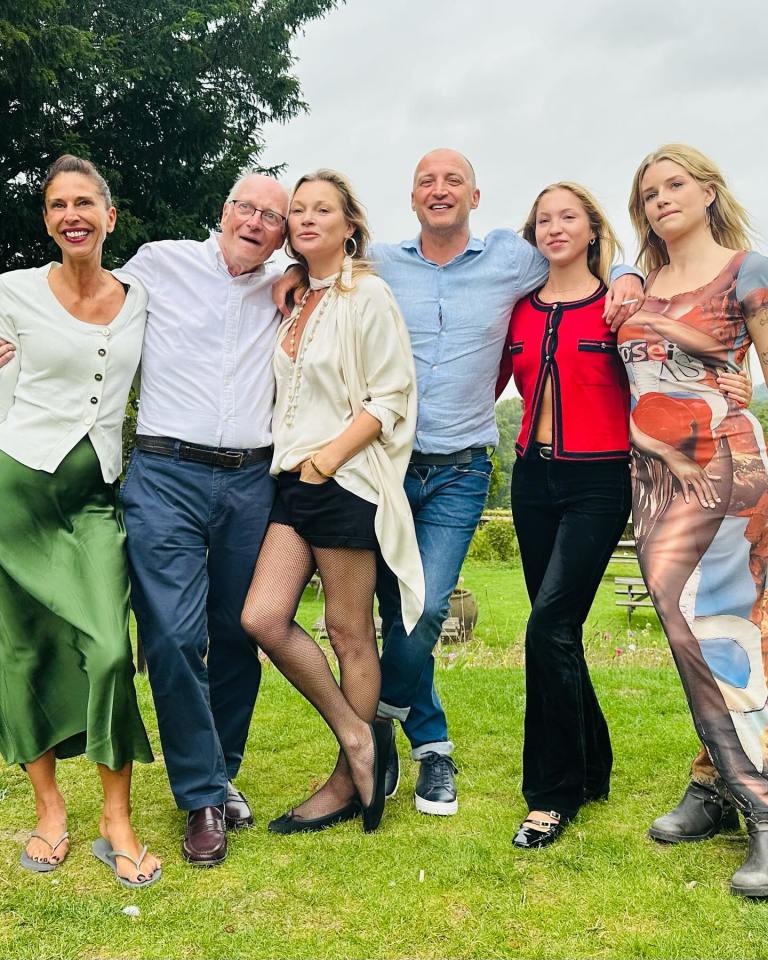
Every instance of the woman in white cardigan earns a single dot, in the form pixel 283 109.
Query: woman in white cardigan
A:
pixel 343 430
pixel 66 672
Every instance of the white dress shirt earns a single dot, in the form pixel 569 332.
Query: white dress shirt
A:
pixel 68 378
pixel 206 366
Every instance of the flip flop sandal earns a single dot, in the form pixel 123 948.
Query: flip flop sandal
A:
pixel 102 850
pixel 43 866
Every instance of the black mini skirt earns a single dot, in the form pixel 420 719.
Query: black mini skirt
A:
pixel 324 514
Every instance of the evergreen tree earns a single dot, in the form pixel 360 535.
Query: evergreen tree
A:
pixel 167 97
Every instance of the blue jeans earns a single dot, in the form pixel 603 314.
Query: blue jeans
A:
pixel 447 503
pixel 194 532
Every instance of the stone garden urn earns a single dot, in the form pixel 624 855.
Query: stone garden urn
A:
pixel 463 606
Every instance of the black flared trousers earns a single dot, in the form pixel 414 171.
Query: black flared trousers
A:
pixel 569 516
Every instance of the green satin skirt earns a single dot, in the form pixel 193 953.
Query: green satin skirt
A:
pixel 66 670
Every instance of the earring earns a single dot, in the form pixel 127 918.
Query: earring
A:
pixel 353 251
pixel 592 241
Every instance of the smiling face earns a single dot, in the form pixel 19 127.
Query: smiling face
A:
pixel 674 201
pixel 246 243
pixel 317 227
pixel 444 192
pixel 76 215
pixel 563 230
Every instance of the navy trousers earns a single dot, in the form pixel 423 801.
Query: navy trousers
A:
pixel 194 532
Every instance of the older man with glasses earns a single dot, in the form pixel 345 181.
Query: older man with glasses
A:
pixel 197 496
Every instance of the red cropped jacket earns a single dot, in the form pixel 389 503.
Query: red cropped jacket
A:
pixel 569 344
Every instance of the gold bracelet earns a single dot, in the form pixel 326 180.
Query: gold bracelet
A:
pixel 326 476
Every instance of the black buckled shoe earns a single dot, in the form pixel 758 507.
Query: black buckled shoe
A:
pixel 751 879
pixel 435 791
pixel 392 776
pixel 701 814
pixel 237 812
pixel 290 823
pixel 538 831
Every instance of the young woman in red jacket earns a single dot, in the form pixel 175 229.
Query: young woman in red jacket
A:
pixel 571 497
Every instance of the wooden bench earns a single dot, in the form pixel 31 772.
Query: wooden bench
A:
pixel 631 592
pixel 450 633
pixel 625 552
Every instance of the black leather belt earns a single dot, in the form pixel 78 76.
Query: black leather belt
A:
pixel 447 459
pixel 543 450
pixel 227 457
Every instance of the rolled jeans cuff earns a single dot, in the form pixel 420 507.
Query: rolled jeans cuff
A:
pixel 442 747
pixel 388 712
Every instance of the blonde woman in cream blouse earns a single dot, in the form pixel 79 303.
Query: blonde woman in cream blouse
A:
pixel 343 430
pixel 66 673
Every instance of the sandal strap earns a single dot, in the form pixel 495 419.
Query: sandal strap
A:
pixel 553 821
pixel 53 846
pixel 114 854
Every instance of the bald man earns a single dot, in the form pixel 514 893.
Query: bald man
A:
pixel 456 292
pixel 197 496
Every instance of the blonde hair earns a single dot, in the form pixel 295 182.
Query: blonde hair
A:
pixel 728 220
pixel 353 212
pixel 600 254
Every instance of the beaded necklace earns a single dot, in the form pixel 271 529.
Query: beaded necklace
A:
pixel 308 336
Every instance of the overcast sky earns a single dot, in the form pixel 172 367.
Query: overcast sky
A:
pixel 531 93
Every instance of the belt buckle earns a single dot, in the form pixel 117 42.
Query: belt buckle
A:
pixel 545 452
pixel 232 459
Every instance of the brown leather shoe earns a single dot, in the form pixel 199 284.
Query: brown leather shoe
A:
pixel 205 839
pixel 237 812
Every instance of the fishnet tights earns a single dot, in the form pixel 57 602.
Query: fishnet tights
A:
pixel 286 562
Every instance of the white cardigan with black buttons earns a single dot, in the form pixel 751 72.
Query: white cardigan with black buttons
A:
pixel 68 378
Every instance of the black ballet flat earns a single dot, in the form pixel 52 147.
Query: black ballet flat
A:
pixel 538 832
pixel 382 743
pixel 290 823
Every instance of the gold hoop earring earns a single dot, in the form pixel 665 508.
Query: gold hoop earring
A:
pixel 353 251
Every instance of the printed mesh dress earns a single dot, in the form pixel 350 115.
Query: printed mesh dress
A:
pixel 705 566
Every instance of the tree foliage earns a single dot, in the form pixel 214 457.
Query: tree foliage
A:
pixel 509 413
pixel 167 97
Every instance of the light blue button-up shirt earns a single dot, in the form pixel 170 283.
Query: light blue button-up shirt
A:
pixel 458 315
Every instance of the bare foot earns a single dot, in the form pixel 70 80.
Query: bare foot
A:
pixel 119 832
pixel 52 824
pixel 359 753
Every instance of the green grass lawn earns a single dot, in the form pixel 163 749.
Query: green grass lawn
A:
pixel 421 887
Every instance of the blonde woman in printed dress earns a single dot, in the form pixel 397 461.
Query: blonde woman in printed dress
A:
pixel 701 483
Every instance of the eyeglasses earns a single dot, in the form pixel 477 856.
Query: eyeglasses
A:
pixel 271 219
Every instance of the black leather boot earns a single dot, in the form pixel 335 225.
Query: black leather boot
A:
pixel 700 815
pixel 751 879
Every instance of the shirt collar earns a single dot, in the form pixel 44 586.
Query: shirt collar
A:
pixel 213 250
pixel 475 245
